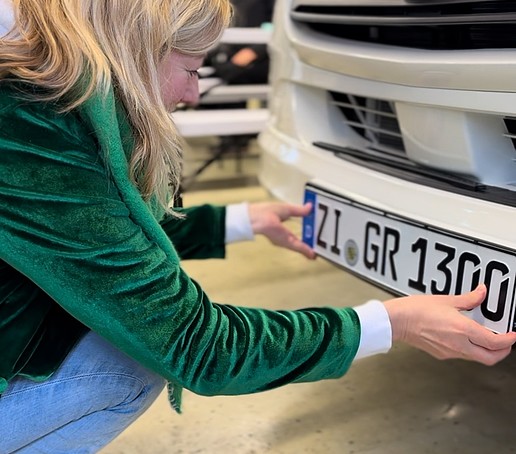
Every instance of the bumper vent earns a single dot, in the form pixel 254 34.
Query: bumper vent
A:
pixel 446 26
pixel 373 119
pixel 510 124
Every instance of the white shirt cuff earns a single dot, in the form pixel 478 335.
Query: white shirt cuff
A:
pixel 375 328
pixel 238 223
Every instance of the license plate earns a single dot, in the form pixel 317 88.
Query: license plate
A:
pixel 406 257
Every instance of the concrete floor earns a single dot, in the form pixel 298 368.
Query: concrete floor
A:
pixel 403 402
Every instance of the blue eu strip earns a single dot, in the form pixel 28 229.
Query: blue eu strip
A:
pixel 309 221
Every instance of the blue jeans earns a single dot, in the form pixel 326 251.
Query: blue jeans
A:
pixel 93 397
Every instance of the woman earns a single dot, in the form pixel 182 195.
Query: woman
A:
pixel 96 312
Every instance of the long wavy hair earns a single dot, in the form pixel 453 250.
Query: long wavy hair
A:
pixel 117 43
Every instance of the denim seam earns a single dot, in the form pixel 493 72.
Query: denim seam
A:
pixel 64 380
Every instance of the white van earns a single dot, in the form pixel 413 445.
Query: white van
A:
pixel 397 119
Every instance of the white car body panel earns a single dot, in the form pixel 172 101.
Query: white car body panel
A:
pixel 452 107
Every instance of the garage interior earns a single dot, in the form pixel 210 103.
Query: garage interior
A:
pixel 402 402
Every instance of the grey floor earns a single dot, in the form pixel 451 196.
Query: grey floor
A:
pixel 402 402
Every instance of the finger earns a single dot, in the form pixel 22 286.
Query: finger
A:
pixel 297 210
pixel 487 357
pixel 471 299
pixel 295 244
pixel 484 338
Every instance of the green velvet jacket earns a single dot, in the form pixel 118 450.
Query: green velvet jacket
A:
pixel 80 249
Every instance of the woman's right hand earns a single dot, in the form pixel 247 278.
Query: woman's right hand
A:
pixel 435 325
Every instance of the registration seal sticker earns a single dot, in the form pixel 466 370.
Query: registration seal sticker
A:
pixel 351 252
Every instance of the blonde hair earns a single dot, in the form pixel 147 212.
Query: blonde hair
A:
pixel 117 43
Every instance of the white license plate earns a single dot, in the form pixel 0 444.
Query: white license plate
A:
pixel 406 257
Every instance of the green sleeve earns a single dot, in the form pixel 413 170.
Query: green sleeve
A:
pixel 66 225
pixel 200 234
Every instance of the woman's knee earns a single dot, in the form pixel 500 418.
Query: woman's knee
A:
pixel 129 383
pixel 147 387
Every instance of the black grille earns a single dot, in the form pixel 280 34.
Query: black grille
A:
pixel 510 124
pixel 454 26
pixel 373 119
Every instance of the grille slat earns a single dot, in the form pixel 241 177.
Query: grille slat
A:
pixel 373 128
pixel 364 109
pixel 405 20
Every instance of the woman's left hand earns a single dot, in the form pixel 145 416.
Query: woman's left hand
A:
pixel 267 219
